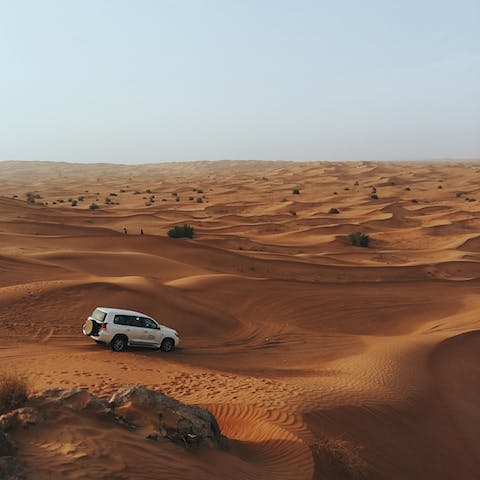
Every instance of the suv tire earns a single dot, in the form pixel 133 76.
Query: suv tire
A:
pixel 167 345
pixel 119 343
pixel 91 327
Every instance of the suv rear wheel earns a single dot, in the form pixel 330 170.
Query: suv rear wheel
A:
pixel 119 343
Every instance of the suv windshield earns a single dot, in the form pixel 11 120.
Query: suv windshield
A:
pixel 98 315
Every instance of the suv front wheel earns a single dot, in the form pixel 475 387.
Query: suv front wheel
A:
pixel 167 345
pixel 119 343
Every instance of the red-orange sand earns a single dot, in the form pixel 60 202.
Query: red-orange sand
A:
pixel 319 359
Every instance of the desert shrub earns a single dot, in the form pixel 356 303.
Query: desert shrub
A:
pixel 293 212
pixel 408 189
pixel 346 188
pixel 136 192
pixel 93 206
pixel 14 391
pixel 414 200
pixel 191 198
pixel 73 203
pixel 108 201
pixel 122 190
pixel 30 197
pixel 114 195
pixel 199 190
pixel 335 193
pixel 148 190
pixel 334 210
pixel 374 189
pixel 81 198
pixel 181 232
pixel 458 194
pixel 296 191
pixel 439 187
pixel 175 194
pixel 374 196
pixel 356 183
pixel 358 239
pixel 177 199
pixel 70 199
pixel 199 200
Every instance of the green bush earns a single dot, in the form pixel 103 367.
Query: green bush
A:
pixel 359 239
pixel 181 232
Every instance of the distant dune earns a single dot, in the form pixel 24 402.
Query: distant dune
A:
pixel 319 359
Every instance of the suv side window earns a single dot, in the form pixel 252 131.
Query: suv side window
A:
pixel 121 320
pixel 149 323
pixel 128 320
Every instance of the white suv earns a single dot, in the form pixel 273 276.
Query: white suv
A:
pixel 120 328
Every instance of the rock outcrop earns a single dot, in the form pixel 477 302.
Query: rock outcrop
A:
pixel 166 417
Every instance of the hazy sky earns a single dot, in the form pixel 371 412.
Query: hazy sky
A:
pixel 145 81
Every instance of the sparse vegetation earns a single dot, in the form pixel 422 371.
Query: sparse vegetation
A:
pixel 31 197
pixel 408 189
pixel 93 206
pixel 296 191
pixel 334 210
pixel 199 200
pixel 73 203
pixel 359 239
pixel 191 198
pixel 293 212
pixel 374 196
pixel 186 231
pixel 14 390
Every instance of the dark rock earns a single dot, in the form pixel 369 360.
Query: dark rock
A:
pixel 6 447
pixel 12 469
pixel 334 210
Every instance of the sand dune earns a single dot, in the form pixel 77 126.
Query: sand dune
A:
pixel 319 359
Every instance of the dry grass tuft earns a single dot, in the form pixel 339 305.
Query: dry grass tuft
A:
pixel 14 389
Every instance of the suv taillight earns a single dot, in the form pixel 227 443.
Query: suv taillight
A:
pixel 103 325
